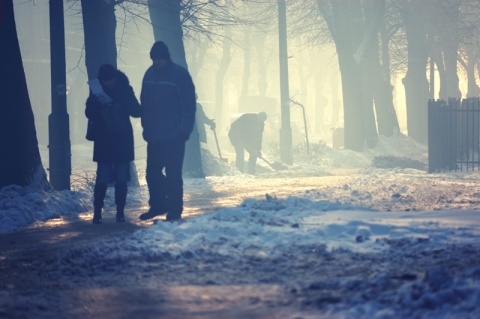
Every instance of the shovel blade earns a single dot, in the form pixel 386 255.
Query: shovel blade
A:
pixel 278 166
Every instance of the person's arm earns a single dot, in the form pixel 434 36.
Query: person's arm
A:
pixel 210 123
pixel 187 100
pixel 202 117
pixel 142 100
pixel 92 108
pixel 134 108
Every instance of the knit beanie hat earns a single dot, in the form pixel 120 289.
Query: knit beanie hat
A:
pixel 159 51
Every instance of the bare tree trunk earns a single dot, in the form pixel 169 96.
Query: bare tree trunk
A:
pixel 247 58
pixel 449 44
pixel 99 25
pixel 415 81
pixel 348 36
pixel 167 27
pixel 336 103
pixel 221 73
pixel 199 53
pixel 473 89
pixel 20 161
pixel 262 64
pixel 387 121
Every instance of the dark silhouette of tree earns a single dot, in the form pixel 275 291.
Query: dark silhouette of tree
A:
pixel 20 161
pixel 99 25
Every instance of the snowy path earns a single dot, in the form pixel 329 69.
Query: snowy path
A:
pixel 370 244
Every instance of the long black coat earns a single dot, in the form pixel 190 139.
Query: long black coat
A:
pixel 114 146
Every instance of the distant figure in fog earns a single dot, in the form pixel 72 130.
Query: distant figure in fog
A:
pixel 201 121
pixel 168 102
pixel 109 106
pixel 246 133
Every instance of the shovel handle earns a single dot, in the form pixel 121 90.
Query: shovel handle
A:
pixel 218 146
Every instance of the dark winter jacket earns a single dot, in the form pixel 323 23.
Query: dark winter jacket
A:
pixel 114 133
pixel 247 131
pixel 168 103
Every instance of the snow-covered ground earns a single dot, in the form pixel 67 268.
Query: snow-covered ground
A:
pixel 410 239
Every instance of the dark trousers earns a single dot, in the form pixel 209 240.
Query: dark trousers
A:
pixel 164 176
pixel 108 173
pixel 240 161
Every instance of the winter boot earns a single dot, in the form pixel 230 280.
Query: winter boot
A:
pixel 120 217
pixel 97 215
pixel 120 200
pixel 98 197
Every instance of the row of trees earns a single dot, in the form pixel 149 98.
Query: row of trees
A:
pixel 20 161
pixel 375 41
pixel 378 40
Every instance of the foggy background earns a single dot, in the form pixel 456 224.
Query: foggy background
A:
pixel 314 76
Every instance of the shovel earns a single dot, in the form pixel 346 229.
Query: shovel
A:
pixel 275 165
pixel 218 146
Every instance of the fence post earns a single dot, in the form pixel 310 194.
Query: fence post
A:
pixel 432 136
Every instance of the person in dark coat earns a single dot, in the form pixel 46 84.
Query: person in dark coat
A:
pixel 246 133
pixel 168 103
pixel 113 148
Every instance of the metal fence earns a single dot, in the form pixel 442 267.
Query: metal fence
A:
pixel 453 135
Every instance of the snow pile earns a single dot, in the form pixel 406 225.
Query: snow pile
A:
pixel 271 227
pixel 22 206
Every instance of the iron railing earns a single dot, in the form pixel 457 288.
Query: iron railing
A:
pixel 453 135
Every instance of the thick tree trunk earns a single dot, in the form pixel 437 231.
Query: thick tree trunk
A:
pixel 449 43
pixel 221 73
pixel 99 25
pixel 247 58
pixel 262 64
pixel 415 81
pixel 199 53
pixel 336 103
pixel 20 161
pixel 167 27
pixel 473 89
pixel 348 35
pixel 387 122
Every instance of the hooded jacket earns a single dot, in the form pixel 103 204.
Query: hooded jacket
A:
pixel 114 145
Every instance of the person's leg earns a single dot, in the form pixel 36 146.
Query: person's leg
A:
pixel 122 176
pixel 174 180
pixel 155 180
pixel 239 159
pixel 252 163
pixel 104 176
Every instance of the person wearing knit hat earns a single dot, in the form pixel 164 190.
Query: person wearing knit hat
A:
pixel 159 51
pixel 169 105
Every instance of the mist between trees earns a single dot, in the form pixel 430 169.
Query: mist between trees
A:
pixel 368 66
